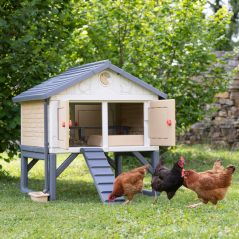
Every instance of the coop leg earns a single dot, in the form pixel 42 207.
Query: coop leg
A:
pixel 154 160
pixel 24 175
pixel 52 190
pixel 118 164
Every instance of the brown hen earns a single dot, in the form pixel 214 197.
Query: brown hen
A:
pixel 209 187
pixel 217 168
pixel 128 184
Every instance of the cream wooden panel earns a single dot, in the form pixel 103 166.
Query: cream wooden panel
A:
pixel 105 124
pixel 117 140
pixel 106 149
pixel 53 124
pixel 32 123
pixel 88 115
pixel 146 124
pixel 159 132
pixel 89 118
pixel 63 132
pixel 120 88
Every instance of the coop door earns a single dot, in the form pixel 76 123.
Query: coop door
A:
pixel 88 116
pixel 161 118
pixel 63 124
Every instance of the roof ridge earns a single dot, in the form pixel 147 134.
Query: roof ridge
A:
pixel 88 64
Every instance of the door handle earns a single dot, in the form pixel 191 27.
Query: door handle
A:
pixel 169 122
pixel 64 124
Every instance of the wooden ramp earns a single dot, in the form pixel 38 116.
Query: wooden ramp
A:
pixel 101 173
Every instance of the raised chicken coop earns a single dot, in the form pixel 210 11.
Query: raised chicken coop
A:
pixel 93 109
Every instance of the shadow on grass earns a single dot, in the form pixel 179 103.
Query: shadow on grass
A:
pixel 6 177
pixel 67 190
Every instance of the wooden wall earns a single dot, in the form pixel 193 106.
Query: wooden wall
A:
pixel 131 114
pixel 32 125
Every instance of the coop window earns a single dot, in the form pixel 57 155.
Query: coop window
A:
pixel 105 78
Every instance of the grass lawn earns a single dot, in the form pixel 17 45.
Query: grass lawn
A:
pixel 79 213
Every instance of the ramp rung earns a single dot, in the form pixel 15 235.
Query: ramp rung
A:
pixel 106 188
pixel 98 163
pixel 95 155
pixel 102 171
pixel 105 179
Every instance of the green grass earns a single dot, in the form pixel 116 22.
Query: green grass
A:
pixel 79 213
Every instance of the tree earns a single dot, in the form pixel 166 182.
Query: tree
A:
pixel 33 39
pixel 233 29
pixel 167 44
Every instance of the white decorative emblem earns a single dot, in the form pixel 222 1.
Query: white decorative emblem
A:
pixel 126 88
pixel 84 87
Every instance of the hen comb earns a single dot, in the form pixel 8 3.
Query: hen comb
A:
pixel 182 159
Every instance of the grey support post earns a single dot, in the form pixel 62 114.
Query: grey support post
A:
pixel 52 166
pixel 24 175
pixel 46 189
pixel 118 164
pixel 154 160
pixel 24 180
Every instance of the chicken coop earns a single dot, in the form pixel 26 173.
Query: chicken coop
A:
pixel 93 109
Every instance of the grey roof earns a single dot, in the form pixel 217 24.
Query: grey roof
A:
pixel 73 76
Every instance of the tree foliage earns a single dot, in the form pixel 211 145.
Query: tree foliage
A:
pixel 164 43
pixel 33 39
pixel 167 44
pixel 233 29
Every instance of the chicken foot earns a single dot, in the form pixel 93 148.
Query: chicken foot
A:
pixel 195 205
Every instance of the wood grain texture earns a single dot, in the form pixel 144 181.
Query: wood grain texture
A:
pixel 32 124
pixel 160 133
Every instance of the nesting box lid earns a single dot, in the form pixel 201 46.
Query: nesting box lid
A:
pixel 75 75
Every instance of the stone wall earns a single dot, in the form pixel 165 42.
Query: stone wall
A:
pixel 222 127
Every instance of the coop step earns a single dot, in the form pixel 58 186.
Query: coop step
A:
pixel 98 163
pixel 105 179
pixel 106 188
pixel 95 155
pixel 101 173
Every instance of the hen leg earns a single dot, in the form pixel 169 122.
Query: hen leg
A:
pixel 170 195
pixel 197 198
pixel 130 198
pixel 215 207
pixel 156 197
pixel 126 202
pixel 195 205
